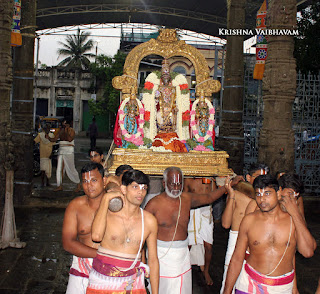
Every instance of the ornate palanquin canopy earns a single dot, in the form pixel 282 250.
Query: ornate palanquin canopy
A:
pixel 193 163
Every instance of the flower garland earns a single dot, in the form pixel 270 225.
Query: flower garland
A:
pixel 193 122
pixel 136 138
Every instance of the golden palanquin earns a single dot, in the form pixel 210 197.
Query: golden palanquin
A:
pixel 193 163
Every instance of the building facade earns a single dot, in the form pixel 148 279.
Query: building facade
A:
pixel 65 94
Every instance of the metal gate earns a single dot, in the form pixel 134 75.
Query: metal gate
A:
pixel 252 113
pixel 305 122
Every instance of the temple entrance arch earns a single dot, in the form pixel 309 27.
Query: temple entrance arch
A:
pixel 166 45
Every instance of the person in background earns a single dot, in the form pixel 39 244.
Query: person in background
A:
pixel 66 155
pixel 45 153
pixel 200 228
pixel 96 155
pixel 93 133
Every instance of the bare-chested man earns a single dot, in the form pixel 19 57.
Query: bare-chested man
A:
pixel 200 228
pixel 65 163
pixel 172 210
pixel 237 201
pixel 255 170
pixel 272 236
pixel 76 231
pixel 117 266
pixel 290 185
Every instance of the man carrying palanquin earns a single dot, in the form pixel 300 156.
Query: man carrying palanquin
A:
pixel 117 267
pixel 172 210
pixel 200 228
pixel 77 222
pixel 272 236
pixel 237 202
pixel 167 105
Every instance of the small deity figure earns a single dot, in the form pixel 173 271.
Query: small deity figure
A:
pixel 202 124
pixel 131 111
pixel 166 102
pixel 202 115
pixel 127 132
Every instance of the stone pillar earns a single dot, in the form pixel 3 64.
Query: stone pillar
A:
pixel 276 144
pixel 231 129
pixel 22 105
pixel 6 13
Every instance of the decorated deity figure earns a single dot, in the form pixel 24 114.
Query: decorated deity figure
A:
pixel 202 124
pixel 202 116
pixel 166 102
pixel 128 132
pixel 167 109
pixel 131 111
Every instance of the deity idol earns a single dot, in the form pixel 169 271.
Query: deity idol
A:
pixel 202 116
pixel 202 123
pixel 167 105
pixel 166 102
pixel 130 119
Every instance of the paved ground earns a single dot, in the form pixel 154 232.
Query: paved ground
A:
pixel 42 266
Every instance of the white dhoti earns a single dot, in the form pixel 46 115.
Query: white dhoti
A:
pixel 200 229
pixel 79 275
pixel 46 166
pixel 252 282
pixel 175 267
pixel 66 162
pixel 233 236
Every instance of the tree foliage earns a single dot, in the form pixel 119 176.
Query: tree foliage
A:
pixel 105 69
pixel 76 49
pixel 307 44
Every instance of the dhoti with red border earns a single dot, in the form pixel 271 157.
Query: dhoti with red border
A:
pixel 175 267
pixel 252 282
pixel 109 274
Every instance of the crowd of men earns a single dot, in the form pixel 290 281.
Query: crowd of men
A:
pixel 159 241
pixel 115 252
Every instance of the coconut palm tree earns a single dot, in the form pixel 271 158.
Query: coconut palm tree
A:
pixel 75 48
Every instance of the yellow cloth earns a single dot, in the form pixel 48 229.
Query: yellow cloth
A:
pixel 45 145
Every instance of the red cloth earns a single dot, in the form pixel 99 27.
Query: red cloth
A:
pixel 117 131
pixel 175 146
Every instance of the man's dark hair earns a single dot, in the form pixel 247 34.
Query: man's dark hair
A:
pixel 291 181
pixel 93 119
pixel 68 120
pixel 264 181
pixel 122 168
pixel 135 175
pixel 92 166
pixel 95 149
pixel 257 166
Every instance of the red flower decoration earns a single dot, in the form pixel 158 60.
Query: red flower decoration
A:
pixel 184 87
pixel 148 85
pixel 147 115
pixel 186 115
